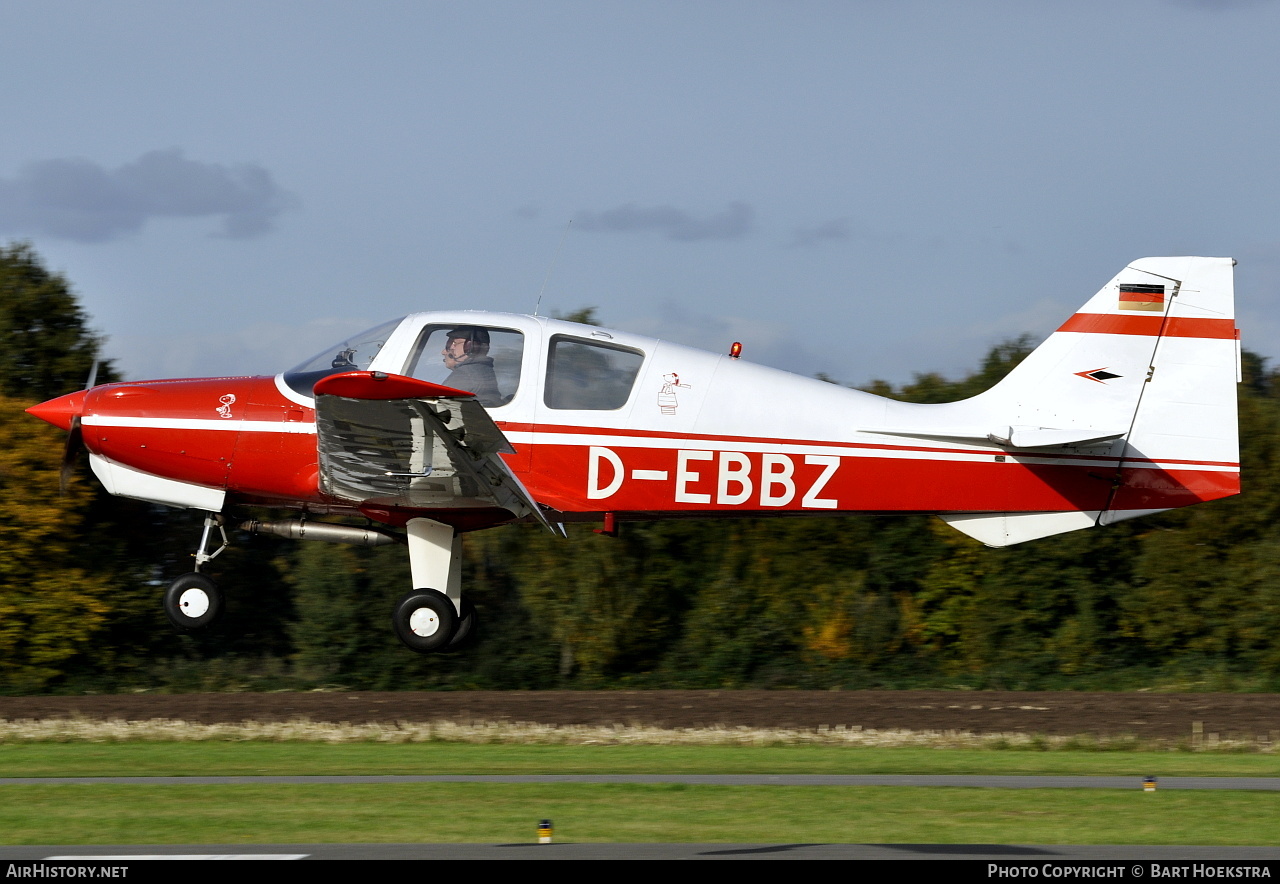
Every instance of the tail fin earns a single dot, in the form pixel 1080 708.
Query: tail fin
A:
pixel 1142 382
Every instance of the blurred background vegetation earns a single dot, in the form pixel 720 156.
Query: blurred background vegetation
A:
pixel 1186 600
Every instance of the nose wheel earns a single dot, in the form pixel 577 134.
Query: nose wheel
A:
pixel 192 602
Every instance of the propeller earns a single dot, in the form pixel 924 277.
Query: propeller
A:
pixel 65 412
pixel 75 436
pixel 75 441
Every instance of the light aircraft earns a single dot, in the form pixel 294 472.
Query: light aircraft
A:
pixel 441 423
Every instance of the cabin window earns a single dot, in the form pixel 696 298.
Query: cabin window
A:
pixel 480 359
pixel 589 376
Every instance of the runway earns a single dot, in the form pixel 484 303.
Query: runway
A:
pixel 1020 854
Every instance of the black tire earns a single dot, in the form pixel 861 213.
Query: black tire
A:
pixel 425 620
pixel 465 634
pixel 192 602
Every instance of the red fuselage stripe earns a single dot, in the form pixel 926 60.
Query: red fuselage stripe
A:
pixel 1173 326
pixel 583 478
pixel 603 432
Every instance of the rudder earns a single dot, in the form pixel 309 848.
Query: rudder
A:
pixel 1146 368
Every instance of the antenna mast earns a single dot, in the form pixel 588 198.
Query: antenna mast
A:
pixel 551 269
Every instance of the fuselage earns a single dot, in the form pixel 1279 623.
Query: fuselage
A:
pixel 608 422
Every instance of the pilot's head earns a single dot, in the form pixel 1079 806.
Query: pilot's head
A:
pixel 464 344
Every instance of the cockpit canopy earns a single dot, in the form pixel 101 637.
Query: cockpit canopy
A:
pixel 587 371
pixel 356 353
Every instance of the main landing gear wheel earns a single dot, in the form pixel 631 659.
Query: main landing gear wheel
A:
pixel 465 634
pixel 425 620
pixel 193 601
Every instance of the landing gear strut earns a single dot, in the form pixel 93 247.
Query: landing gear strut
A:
pixel 193 601
pixel 432 617
pixel 428 619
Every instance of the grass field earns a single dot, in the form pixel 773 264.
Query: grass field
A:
pixel 489 813
pixel 251 758
pixel 501 813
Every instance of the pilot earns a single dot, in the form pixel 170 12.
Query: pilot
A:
pixel 466 355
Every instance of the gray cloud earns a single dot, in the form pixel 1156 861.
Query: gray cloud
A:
pixel 79 200
pixel 842 230
pixel 734 222
pixel 835 229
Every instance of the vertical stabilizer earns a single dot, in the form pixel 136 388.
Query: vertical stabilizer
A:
pixel 1141 380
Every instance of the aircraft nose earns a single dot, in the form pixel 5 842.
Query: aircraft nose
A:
pixel 60 411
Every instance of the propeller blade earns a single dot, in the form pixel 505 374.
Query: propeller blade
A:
pixel 75 441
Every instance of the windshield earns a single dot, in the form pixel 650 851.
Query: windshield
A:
pixel 354 354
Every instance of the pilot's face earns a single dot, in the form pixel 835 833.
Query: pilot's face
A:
pixel 454 352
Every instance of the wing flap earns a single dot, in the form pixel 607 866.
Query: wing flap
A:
pixel 440 451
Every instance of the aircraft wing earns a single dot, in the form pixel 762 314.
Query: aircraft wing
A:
pixel 403 442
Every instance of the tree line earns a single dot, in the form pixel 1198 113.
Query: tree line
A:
pixel 1188 599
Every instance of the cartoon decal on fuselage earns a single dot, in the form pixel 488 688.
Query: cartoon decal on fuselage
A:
pixel 667 402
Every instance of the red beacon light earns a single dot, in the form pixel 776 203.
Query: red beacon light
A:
pixel 736 350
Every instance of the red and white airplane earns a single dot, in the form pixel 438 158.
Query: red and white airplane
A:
pixel 443 423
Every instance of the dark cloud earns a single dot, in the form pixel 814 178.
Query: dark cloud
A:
pixel 734 222
pixel 835 229
pixel 842 230
pixel 79 200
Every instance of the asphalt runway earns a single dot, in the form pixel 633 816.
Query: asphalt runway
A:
pixel 1021 854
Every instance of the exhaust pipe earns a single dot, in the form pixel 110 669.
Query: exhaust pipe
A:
pixel 298 529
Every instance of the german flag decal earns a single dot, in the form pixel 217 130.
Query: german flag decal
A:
pixel 1141 297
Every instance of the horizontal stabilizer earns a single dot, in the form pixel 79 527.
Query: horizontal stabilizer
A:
pixel 1006 529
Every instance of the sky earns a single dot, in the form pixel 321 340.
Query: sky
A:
pixel 865 188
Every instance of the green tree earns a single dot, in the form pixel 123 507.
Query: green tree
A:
pixel 50 608
pixel 57 583
pixel 48 347
pixel 327 598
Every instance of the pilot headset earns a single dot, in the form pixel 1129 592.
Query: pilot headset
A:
pixel 470 336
